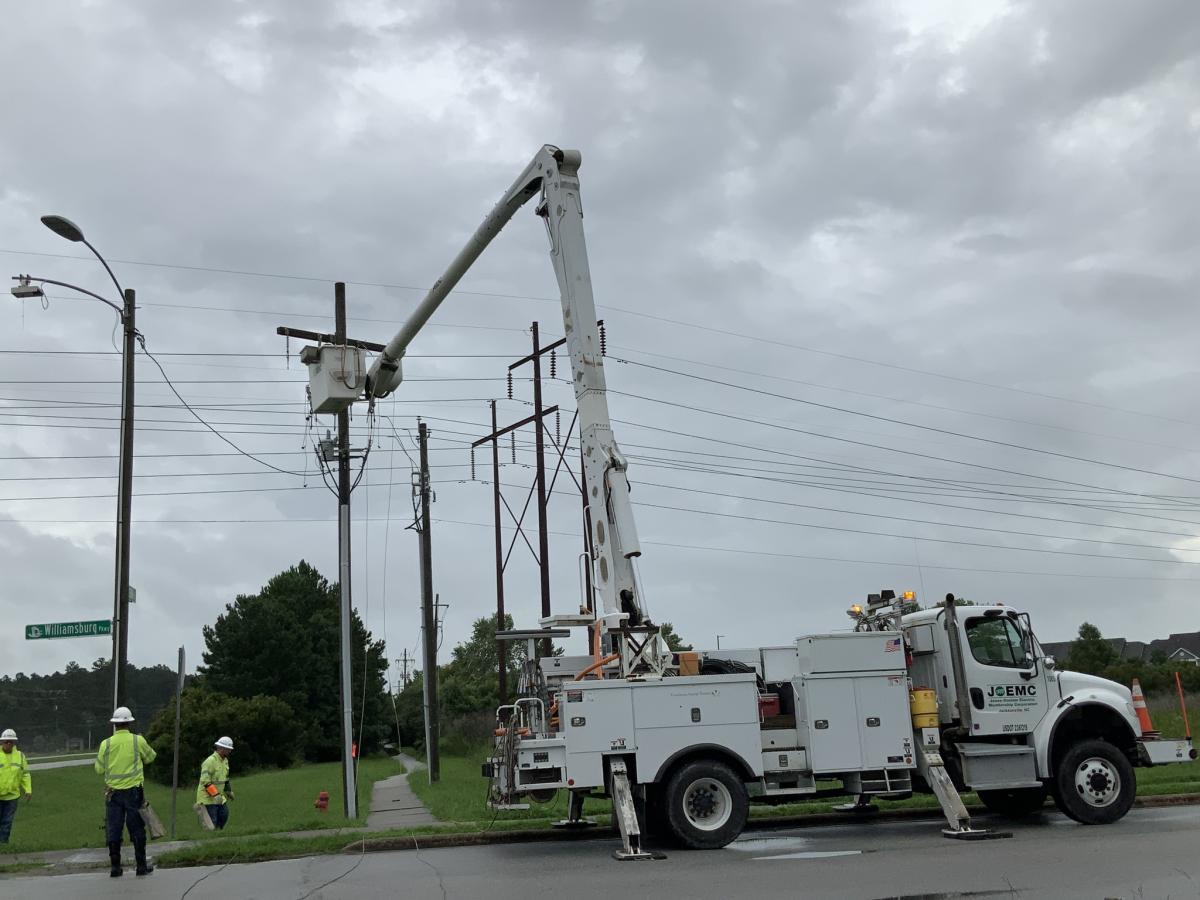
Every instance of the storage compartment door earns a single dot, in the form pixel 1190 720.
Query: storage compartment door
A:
pixel 883 721
pixel 832 724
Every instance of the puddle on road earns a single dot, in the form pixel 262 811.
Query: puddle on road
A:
pixel 954 895
pixel 760 845
pixel 813 854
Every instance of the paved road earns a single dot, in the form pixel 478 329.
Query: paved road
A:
pixel 1153 853
pixel 61 764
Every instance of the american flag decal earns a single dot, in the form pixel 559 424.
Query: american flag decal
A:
pixel 892 645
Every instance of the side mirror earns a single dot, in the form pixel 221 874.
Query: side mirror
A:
pixel 1049 663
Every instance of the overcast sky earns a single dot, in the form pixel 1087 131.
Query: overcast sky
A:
pixel 913 282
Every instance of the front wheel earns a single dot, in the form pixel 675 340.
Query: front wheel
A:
pixel 706 805
pixel 1014 804
pixel 1094 784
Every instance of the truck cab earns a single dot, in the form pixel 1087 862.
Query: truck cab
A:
pixel 1014 728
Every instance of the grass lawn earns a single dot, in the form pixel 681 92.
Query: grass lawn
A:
pixel 67 810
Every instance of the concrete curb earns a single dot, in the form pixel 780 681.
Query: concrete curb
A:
pixel 763 823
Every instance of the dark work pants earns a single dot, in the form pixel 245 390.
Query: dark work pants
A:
pixel 219 814
pixel 8 809
pixel 123 809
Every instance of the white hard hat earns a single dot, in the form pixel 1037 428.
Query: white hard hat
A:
pixel 121 715
pixel 225 743
pixel 8 735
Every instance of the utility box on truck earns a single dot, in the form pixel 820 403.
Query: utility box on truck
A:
pixel 852 702
pixel 655 721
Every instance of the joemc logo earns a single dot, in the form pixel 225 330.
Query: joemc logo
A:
pixel 1012 690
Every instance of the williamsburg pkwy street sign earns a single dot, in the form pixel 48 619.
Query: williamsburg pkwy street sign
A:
pixel 97 628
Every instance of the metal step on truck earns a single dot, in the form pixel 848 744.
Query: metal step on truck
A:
pixel 941 700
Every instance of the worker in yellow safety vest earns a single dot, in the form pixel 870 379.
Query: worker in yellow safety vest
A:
pixel 213 792
pixel 121 760
pixel 14 781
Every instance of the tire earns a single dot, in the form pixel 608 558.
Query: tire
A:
pixel 1017 803
pixel 657 827
pixel 1094 783
pixel 705 805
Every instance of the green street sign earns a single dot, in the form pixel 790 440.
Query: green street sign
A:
pixel 98 628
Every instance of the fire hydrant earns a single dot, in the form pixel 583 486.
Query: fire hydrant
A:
pixel 322 802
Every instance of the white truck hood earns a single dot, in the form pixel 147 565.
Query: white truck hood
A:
pixel 1083 688
pixel 1079 684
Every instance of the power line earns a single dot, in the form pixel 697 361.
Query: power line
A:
pixel 679 546
pixel 889 420
pixel 231 381
pixel 893 399
pixel 246 354
pixel 188 474
pixel 909 537
pixel 993 495
pixel 723 332
pixel 858 443
pixel 876 515
pixel 872 562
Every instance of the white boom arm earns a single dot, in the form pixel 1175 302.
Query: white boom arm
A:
pixel 553 174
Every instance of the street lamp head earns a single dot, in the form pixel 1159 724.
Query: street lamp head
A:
pixel 63 227
pixel 27 290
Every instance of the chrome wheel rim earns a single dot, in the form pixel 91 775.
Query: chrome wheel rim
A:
pixel 1098 782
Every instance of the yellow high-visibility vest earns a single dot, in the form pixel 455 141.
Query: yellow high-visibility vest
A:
pixel 121 759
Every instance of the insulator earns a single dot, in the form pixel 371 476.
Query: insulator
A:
pixel 512 436
pixel 603 339
pixel 510 385
pixel 557 428
pixel 472 463
pixel 553 365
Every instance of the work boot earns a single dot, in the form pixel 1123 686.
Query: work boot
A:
pixel 114 857
pixel 139 853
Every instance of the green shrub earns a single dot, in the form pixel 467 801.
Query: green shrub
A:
pixel 264 730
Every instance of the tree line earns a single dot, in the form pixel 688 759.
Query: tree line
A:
pixel 270 679
pixel 1091 654
pixel 72 707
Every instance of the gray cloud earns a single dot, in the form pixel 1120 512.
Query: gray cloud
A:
pixel 1008 200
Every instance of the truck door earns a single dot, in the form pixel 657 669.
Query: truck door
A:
pixel 1005 685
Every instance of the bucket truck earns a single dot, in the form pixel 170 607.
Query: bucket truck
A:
pixel 938 700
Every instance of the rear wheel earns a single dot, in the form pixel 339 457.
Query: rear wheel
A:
pixel 1016 803
pixel 706 805
pixel 1094 783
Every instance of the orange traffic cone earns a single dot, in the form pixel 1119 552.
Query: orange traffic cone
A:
pixel 1139 707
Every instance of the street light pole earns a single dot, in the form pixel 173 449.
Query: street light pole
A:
pixel 67 229
pixel 124 508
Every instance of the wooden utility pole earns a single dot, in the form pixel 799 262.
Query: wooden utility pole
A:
pixel 342 453
pixel 343 420
pixel 501 646
pixel 429 629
